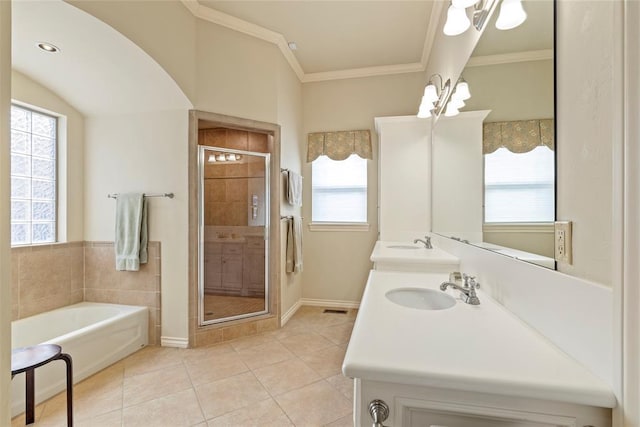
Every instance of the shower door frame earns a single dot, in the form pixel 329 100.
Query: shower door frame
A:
pixel 215 333
pixel 202 149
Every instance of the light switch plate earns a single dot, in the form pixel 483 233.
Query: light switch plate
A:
pixel 562 241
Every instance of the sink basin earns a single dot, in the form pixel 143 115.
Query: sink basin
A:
pixel 403 247
pixel 421 299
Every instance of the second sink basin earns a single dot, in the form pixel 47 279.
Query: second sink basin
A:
pixel 422 299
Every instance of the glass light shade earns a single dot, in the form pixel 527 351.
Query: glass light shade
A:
pixel 511 15
pixel 451 110
pixel 424 112
pixel 231 157
pixel 456 103
pixel 457 21
pixel 211 158
pixel 462 91
pixel 462 4
pixel 221 158
pixel 430 94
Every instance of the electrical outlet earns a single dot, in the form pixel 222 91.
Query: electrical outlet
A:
pixel 562 230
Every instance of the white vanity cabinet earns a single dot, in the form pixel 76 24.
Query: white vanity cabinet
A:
pixel 465 365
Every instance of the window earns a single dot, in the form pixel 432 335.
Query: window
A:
pixel 519 187
pixel 33 176
pixel 339 190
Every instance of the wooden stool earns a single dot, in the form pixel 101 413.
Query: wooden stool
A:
pixel 27 359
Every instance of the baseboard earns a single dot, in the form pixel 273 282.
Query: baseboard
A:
pixel 289 314
pixel 174 342
pixel 330 303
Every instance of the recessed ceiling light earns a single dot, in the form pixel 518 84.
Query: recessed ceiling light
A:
pixel 293 45
pixel 48 47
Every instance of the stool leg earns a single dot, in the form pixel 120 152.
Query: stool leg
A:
pixel 69 363
pixel 29 395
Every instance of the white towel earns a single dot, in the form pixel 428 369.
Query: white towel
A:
pixel 131 231
pixel 293 251
pixel 294 188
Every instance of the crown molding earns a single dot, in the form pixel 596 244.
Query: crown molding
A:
pixel 432 30
pixel 354 73
pixel 510 58
pixel 245 27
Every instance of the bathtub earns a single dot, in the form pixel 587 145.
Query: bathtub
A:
pixel 96 335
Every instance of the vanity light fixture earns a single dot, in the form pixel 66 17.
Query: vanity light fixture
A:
pixel 435 96
pixel 511 15
pixel 48 47
pixel 451 110
pixel 457 21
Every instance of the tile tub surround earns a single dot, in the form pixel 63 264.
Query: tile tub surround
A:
pixel 47 277
pixel 103 283
pixel 288 377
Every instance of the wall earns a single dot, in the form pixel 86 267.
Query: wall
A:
pixel 166 30
pixel 144 152
pixel 70 153
pixel 515 91
pixel 292 141
pixel 337 262
pixel 5 214
pixel 588 110
pixel 457 176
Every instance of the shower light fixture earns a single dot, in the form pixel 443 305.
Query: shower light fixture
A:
pixel 224 157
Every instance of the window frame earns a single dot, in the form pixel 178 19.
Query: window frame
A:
pixel 56 178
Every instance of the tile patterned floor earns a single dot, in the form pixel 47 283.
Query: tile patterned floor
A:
pixel 288 377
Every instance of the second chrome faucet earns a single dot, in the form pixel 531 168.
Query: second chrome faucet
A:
pixel 426 242
pixel 468 290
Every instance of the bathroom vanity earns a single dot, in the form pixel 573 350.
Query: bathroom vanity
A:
pixel 405 256
pixel 463 365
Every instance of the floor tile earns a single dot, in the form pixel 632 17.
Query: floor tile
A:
pixel 306 343
pixel 264 355
pixel 265 413
pixel 286 376
pixel 110 419
pixel 337 334
pixel 200 353
pixel 215 368
pixel 252 341
pixel 219 397
pixel 151 358
pixel 326 362
pixel 343 384
pixel 315 404
pixel 155 384
pixel 346 421
pixel 179 409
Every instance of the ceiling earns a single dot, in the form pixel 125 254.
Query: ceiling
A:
pixel 85 72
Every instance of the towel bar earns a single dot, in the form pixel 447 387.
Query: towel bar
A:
pixel 169 195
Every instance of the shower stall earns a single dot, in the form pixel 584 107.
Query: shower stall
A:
pixel 234 223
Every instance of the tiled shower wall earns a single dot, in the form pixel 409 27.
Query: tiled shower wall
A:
pixel 47 277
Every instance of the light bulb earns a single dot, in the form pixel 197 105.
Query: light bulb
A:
pixel 424 112
pixel 511 15
pixel 457 21
pixel 462 90
pixel 456 103
pixel 430 94
pixel 462 4
pixel 451 110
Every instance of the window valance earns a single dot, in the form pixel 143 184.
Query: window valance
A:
pixel 339 145
pixel 517 136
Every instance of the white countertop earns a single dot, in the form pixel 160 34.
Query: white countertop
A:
pixel 481 348
pixel 384 251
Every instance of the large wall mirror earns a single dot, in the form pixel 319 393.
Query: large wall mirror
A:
pixel 494 164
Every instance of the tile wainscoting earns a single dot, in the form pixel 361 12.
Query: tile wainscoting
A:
pixel 47 277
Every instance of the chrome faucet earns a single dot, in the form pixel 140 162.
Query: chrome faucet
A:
pixel 468 291
pixel 426 241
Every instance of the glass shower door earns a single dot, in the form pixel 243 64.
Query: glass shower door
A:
pixel 233 234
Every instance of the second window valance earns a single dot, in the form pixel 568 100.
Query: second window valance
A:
pixel 517 136
pixel 339 145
